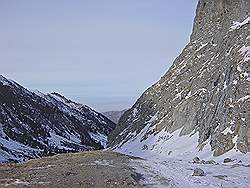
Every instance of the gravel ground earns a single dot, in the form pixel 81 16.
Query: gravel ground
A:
pixel 87 169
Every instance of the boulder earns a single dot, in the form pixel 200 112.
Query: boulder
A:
pixel 228 160
pixel 196 160
pixel 198 172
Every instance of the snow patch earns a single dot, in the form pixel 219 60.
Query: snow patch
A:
pixel 237 25
pixel 242 99
pixel 227 130
pixel 246 51
pixel 98 137
pixel 135 111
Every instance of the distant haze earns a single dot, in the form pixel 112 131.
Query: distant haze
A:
pixel 100 53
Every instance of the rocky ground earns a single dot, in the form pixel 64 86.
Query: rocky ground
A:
pixel 86 169
pixel 110 169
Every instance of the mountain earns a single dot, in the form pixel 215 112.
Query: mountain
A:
pixel 200 107
pixel 33 124
pixel 114 115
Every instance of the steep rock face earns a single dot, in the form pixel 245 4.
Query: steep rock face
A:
pixel 33 124
pixel 202 102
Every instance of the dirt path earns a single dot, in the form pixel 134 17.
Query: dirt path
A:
pixel 87 169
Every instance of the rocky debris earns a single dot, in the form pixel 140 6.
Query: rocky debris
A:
pixel 169 153
pixel 196 160
pixel 198 172
pixel 221 177
pixel 33 124
pixel 205 91
pixel 240 165
pixel 228 160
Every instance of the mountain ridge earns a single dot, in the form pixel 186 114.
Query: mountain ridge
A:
pixel 33 124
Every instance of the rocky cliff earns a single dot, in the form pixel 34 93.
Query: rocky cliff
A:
pixel 201 105
pixel 33 124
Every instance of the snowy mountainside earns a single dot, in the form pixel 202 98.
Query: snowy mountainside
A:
pixel 33 124
pixel 200 107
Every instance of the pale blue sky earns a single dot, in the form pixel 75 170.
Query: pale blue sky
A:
pixel 103 53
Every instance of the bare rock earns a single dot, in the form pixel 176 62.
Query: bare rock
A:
pixel 206 88
pixel 210 162
pixel 228 160
pixel 198 172
pixel 196 160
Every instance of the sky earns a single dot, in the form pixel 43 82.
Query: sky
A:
pixel 103 53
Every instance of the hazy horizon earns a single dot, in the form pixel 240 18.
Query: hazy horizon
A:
pixel 103 54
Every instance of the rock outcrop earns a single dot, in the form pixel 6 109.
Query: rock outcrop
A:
pixel 33 124
pixel 202 102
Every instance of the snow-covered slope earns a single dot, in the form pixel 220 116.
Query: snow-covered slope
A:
pixel 200 107
pixel 34 124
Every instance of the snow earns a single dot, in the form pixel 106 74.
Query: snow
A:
pixel 188 95
pixel 55 140
pixel 167 162
pixel 2 134
pixel 152 119
pixel 242 99
pixel 175 173
pixel 246 51
pixel 58 141
pixel 239 68
pixel 8 82
pixel 237 25
pixel 229 51
pixel 16 148
pixel 135 111
pixel 235 82
pixel 103 163
pixel 98 137
pixel 4 81
pixel 134 137
pixel 225 85
pixel 58 98
pixel 74 137
pixel 164 144
pixel 227 130
pixel 18 183
pixel 202 46
pixel 39 93
pixel 178 95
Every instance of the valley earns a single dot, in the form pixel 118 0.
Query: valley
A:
pixel 190 129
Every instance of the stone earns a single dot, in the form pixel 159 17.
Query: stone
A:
pixel 196 160
pixel 198 172
pixel 222 177
pixel 203 161
pixel 210 162
pixel 227 160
